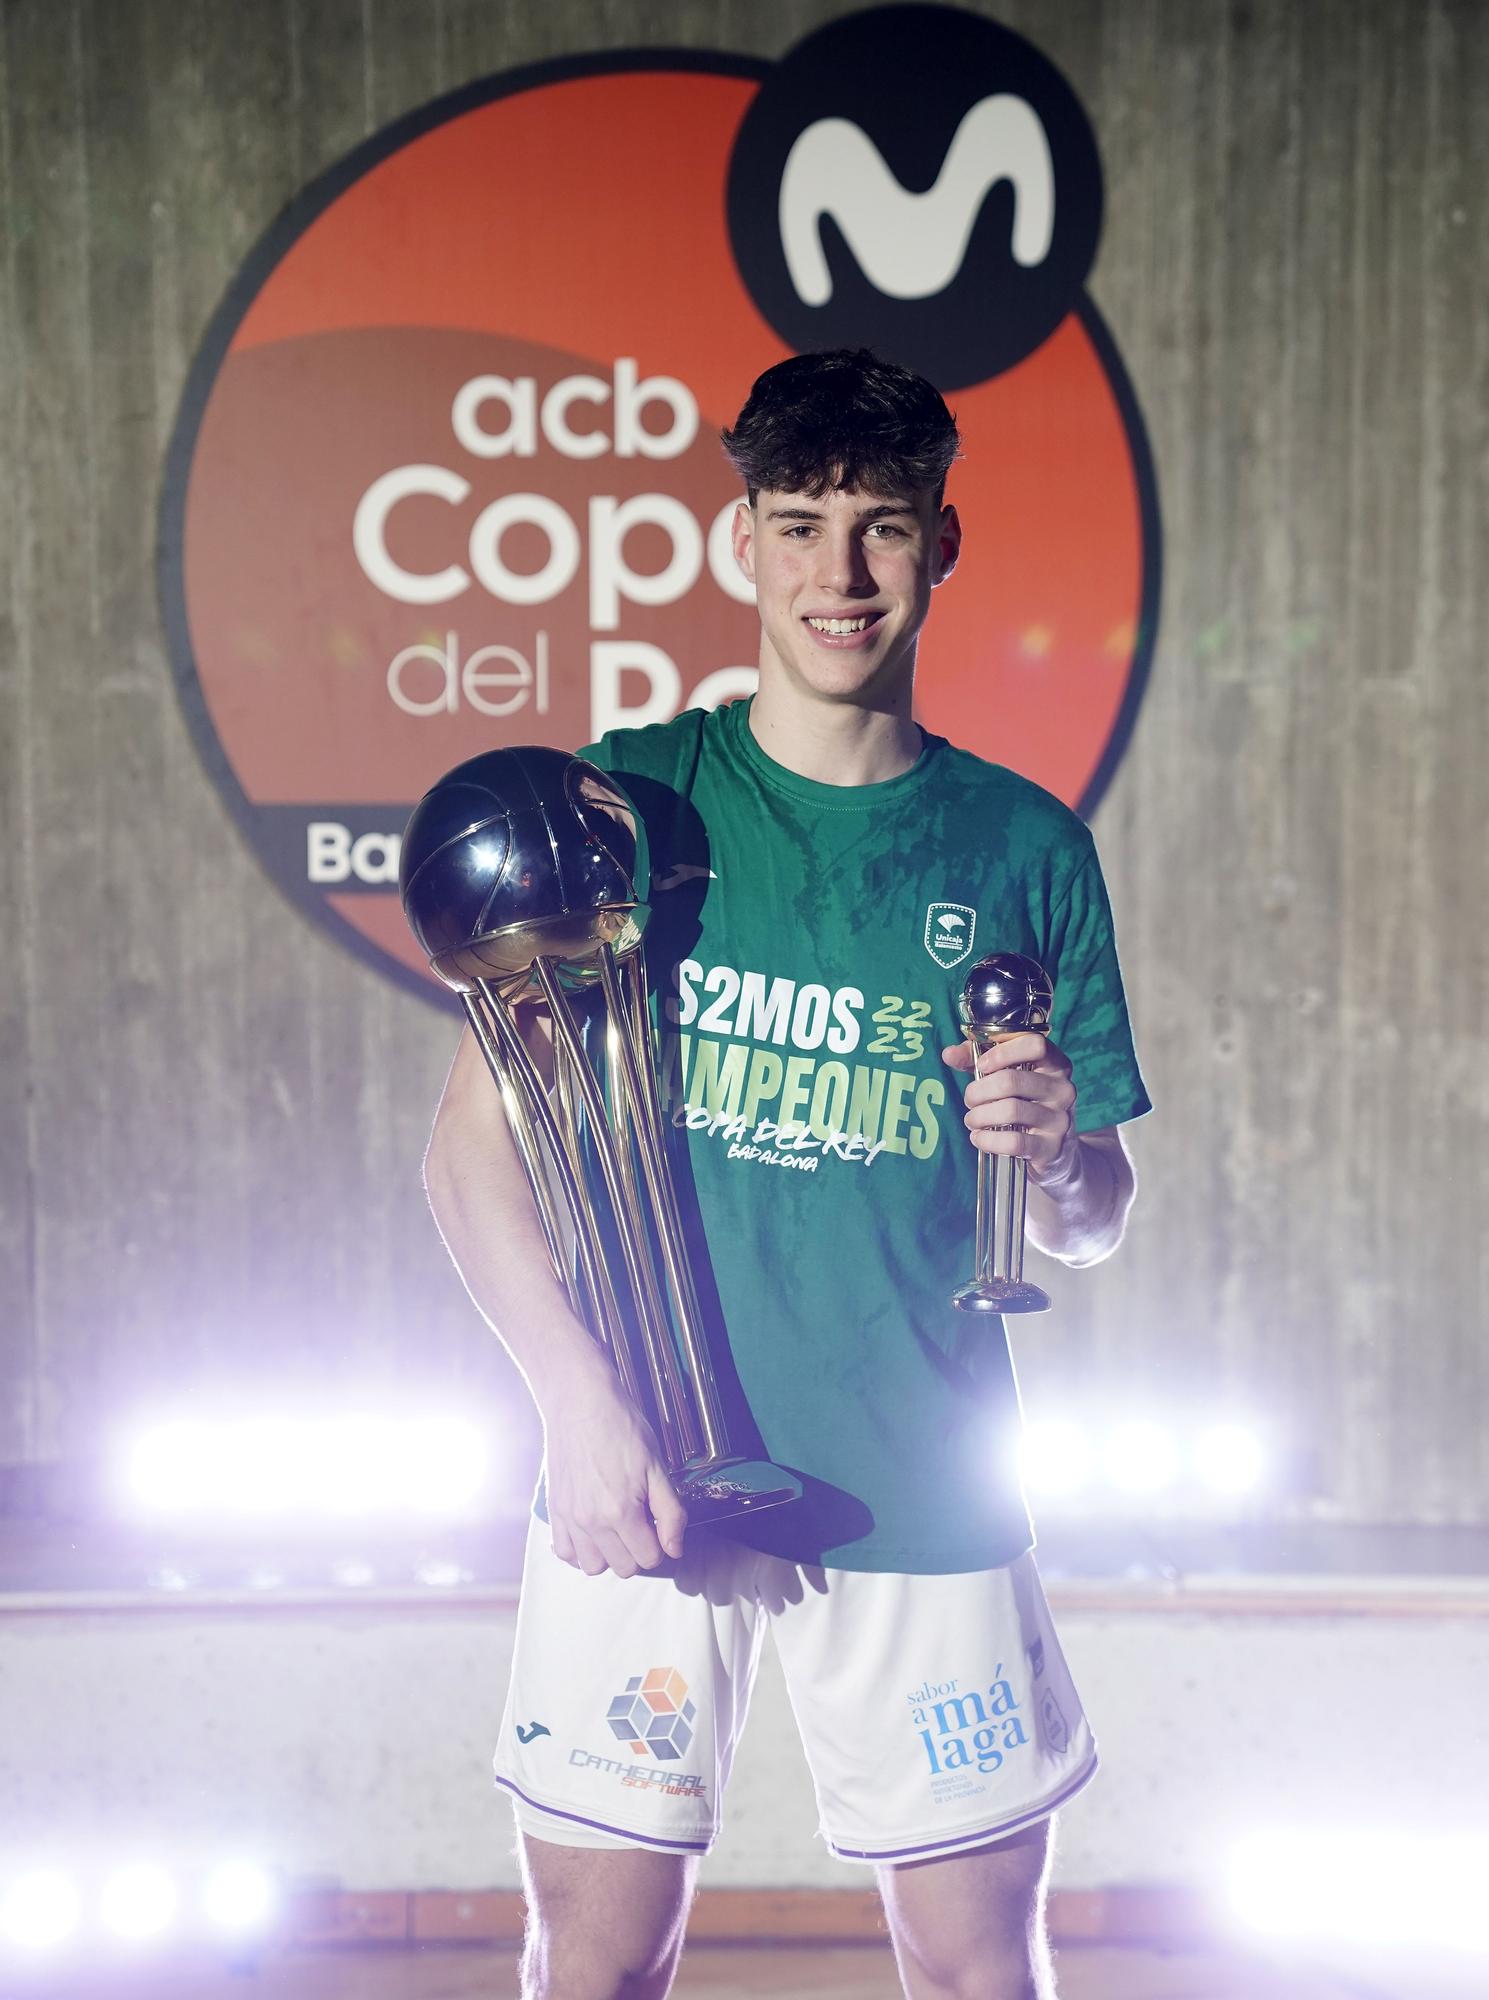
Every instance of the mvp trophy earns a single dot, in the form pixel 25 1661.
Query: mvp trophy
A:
pixel 1005 995
pixel 518 879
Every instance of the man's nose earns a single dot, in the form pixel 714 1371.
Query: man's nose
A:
pixel 845 568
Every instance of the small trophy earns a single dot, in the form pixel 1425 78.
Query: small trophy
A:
pixel 1006 994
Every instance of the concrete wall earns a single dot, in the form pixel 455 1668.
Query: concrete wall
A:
pixel 214 1116
pixel 356 1744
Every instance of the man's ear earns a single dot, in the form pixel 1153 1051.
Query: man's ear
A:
pixel 742 538
pixel 948 544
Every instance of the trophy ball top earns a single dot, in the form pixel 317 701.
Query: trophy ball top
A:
pixel 1006 993
pixel 531 845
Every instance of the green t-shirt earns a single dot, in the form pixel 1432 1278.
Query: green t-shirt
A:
pixel 807 944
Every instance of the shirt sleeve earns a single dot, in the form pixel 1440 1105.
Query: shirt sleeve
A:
pixel 1089 1019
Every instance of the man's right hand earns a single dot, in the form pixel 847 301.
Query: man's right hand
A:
pixel 611 1504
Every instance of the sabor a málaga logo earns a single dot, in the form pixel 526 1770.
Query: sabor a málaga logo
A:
pixel 446 474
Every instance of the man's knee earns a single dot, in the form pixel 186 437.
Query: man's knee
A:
pixel 603 1923
pixel 971 1926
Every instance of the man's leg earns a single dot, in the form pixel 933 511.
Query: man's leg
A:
pixel 971 1926
pixel 603 1923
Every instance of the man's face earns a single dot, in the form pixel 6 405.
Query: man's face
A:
pixel 843 586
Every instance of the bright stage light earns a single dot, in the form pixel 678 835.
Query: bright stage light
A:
pixel 1141 1458
pixel 1374 1889
pixel 1080 1467
pixel 1056 1459
pixel 238 1897
pixel 355 1456
pixel 444 1466
pixel 138 1902
pixel 442 1575
pixel 301 1470
pixel 1229 1459
pixel 39 1909
pixel 172 1468
pixel 261 1466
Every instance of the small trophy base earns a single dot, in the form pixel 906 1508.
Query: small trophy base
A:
pixel 1000 1295
pixel 720 1488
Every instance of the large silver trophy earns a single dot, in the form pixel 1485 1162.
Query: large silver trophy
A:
pixel 1005 994
pixel 524 880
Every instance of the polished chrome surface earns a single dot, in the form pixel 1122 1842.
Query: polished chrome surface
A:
pixel 523 854
pixel 1005 994
pixel 524 875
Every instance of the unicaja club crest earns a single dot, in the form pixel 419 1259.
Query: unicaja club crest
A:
pixel 949 931
pixel 654 1715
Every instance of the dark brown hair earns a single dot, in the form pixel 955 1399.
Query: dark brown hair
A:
pixel 843 418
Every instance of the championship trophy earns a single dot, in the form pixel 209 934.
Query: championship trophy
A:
pixel 1006 994
pixel 519 878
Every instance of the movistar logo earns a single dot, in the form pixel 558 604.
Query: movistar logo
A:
pixel 911 245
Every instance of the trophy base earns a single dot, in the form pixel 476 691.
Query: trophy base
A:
pixel 720 1488
pixel 999 1295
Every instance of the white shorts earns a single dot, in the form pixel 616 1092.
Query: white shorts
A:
pixel 936 1712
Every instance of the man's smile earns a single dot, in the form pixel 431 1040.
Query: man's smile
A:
pixel 842 629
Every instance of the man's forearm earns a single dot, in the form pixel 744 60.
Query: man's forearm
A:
pixel 1078 1206
pixel 611 1501
pixel 484 1209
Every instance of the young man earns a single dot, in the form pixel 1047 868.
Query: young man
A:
pixel 801 846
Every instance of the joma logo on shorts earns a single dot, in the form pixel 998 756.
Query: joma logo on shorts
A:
pixel 959 1730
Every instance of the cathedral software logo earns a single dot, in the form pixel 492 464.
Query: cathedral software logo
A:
pixel 446 474
pixel 654 1715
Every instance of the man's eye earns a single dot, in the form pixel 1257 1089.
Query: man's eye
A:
pixel 888 531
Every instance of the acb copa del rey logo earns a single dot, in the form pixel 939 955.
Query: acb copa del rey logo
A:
pixel 446 475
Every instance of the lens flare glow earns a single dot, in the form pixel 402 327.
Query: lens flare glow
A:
pixel 1229 1459
pixel 1141 1457
pixel 302 1470
pixel 171 1468
pixel 239 1897
pixel 138 1901
pixel 357 1459
pixel 1362 1888
pixel 261 1466
pixel 444 1466
pixel 39 1910
pixel 1056 1459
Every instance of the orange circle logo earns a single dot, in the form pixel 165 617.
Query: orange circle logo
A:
pixel 446 475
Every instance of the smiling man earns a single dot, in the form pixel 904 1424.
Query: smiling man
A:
pixel 824 872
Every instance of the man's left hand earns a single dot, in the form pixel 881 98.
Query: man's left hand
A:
pixel 1021 1102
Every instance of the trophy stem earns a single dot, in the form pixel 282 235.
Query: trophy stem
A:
pixel 629 1122
pixel 982 1262
pixel 522 1090
pixel 525 1140
pixel 641 1085
pixel 655 1332
pixel 1018 1202
pixel 997 1283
